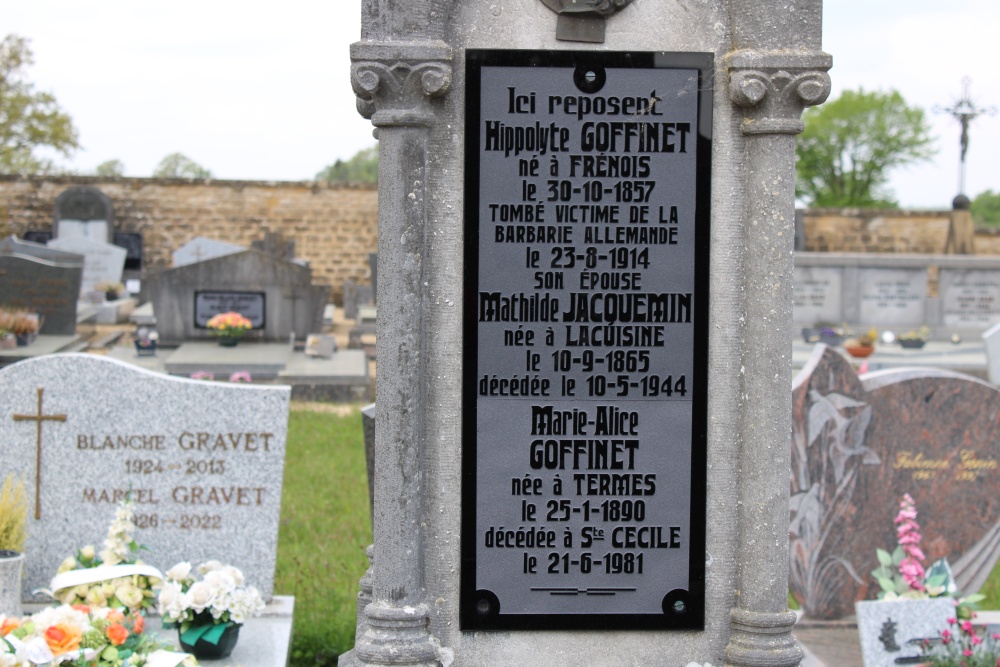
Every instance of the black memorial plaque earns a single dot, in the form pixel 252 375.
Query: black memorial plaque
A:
pixel 208 304
pixel 586 328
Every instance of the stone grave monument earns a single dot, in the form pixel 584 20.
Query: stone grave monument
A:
pixel 276 295
pixel 84 211
pixel 102 262
pixel 201 248
pixel 203 461
pixel 39 279
pixel 859 443
pixel 594 203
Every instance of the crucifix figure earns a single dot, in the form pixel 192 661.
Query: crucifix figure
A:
pixel 38 418
pixel 965 111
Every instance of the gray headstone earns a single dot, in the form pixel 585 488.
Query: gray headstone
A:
pixel 969 298
pixel 893 297
pixel 201 248
pixel 47 288
pixel 12 246
pixel 102 262
pixel 280 293
pixel 991 341
pixel 204 462
pixel 818 294
pixel 84 211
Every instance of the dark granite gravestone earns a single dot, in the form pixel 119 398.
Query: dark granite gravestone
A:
pixel 281 292
pixel 858 444
pixel 132 242
pixel 83 210
pixel 46 287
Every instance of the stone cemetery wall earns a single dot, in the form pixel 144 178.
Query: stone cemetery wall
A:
pixel 885 231
pixel 334 226
pixel 858 444
pixel 204 462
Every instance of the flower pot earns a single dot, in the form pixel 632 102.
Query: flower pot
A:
pixel 23 340
pixel 11 563
pixel 229 341
pixel 145 348
pixel 912 344
pixel 204 649
pixel 859 351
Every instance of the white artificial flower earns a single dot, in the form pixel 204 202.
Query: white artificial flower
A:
pixel 109 557
pixel 209 566
pixel 88 551
pixel 220 581
pixel 235 573
pixel 96 598
pixel 199 597
pixel 170 602
pixel 179 572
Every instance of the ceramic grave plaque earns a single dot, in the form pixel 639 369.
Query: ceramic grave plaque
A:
pixel 587 235
pixel 203 461
pixel 858 444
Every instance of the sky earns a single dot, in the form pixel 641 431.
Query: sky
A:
pixel 258 90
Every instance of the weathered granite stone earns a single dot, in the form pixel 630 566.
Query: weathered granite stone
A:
pixel 281 294
pixel 859 444
pixel 203 460
pixel 48 288
pixel 201 248
pixel 892 630
pixel 102 262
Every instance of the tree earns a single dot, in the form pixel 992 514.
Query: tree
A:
pixel 986 208
pixel 177 165
pixel 851 144
pixel 28 119
pixel 111 169
pixel 362 168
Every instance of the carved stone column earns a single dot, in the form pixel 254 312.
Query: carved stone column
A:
pixel 773 87
pixel 396 84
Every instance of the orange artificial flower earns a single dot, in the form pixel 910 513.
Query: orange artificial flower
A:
pixel 8 626
pixel 63 638
pixel 82 607
pixel 116 616
pixel 117 634
pixel 138 624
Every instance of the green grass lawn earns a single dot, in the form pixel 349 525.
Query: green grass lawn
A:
pixel 325 528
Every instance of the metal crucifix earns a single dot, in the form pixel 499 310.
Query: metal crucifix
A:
pixel 965 110
pixel 38 418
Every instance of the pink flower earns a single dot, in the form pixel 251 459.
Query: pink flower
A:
pixel 952 621
pixel 967 626
pixel 976 641
pixel 946 636
pixel 967 653
pixel 240 376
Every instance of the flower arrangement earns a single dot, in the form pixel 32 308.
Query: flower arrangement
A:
pixel 80 636
pixel 203 609
pixel 241 376
pixel 965 646
pixel 922 334
pixel 13 515
pixel 901 575
pixel 229 325
pixel 113 577
pixel 864 340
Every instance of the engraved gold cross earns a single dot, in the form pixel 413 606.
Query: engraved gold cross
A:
pixel 38 418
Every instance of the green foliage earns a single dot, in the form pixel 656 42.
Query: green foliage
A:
pixel 986 208
pixel 29 119
pixel 362 168
pixel 177 165
pixel 850 146
pixel 325 528
pixel 13 514
pixel 111 169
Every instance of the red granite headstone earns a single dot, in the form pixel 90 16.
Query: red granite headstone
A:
pixel 858 444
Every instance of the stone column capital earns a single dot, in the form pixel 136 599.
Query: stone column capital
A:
pixel 775 86
pixel 395 81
